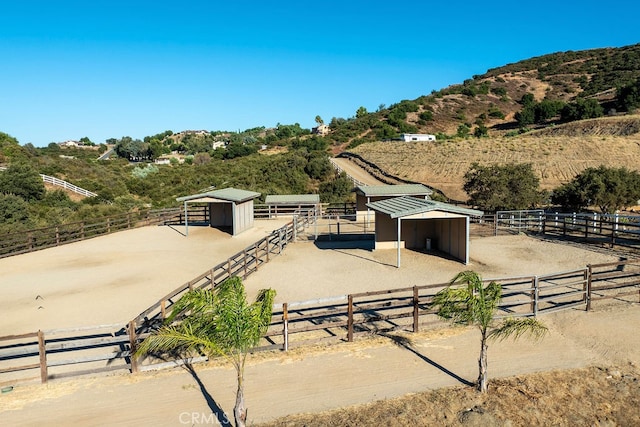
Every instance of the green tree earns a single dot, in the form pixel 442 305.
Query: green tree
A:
pixel 22 180
pixel 319 121
pixel 217 322
pixel 610 189
pixel 502 187
pixel 463 131
pixel 13 211
pixel 467 301
pixel 582 109
pixel 526 116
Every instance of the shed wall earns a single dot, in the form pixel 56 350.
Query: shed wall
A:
pixel 243 217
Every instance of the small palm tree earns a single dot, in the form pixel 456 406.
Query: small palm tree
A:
pixel 475 304
pixel 216 322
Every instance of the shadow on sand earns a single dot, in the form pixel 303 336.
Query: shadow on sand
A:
pixel 407 344
pixel 341 246
pixel 221 416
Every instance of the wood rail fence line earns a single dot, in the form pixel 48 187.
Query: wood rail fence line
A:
pixel 64 184
pixel 78 351
pixel 43 238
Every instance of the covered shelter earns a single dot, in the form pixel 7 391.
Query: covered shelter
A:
pixel 412 223
pixel 228 208
pixel 290 204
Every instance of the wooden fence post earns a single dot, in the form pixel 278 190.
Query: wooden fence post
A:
pixel 42 352
pixel 415 309
pixel 533 295
pixel 108 225
pixel 132 346
pixel 285 326
pixel 266 241
pixel 57 236
pixel 536 294
pixel 350 319
pixel 244 263
pixel 163 308
pixel 587 295
pixel 257 260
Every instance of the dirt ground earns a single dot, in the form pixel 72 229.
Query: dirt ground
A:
pixel 110 279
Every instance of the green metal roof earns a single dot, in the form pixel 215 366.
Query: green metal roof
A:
pixel 226 194
pixel 394 190
pixel 293 199
pixel 399 207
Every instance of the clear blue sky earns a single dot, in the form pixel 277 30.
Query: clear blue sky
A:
pixel 107 69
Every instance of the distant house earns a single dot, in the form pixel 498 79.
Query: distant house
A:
pixel 321 130
pixel 69 143
pixel 218 144
pixel 409 137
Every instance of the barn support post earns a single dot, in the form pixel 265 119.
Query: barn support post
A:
pixel 416 316
pixel 350 319
pixel 285 326
pixel 398 252
pixel 42 352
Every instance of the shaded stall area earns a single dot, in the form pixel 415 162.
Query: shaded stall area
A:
pixel 229 209
pixel 408 222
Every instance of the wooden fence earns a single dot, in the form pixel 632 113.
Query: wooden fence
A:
pixel 42 238
pixel 605 229
pixel 60 353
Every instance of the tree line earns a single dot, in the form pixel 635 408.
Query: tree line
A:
pixel 516 186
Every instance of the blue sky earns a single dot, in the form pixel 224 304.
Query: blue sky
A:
pixel 107 69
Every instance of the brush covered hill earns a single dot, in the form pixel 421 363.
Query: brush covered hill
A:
pixel 557 150
pixel 493 99
pixel 557 153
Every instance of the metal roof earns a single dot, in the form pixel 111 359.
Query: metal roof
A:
pixel 293 199
pixel 225 194
pixel 394 190
pixel 399 207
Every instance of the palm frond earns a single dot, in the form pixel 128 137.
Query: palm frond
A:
pixel 516 328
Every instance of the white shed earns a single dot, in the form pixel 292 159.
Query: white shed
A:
pixel 413 137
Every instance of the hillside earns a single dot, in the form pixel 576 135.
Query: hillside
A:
pixel 493 99
pixel 557 154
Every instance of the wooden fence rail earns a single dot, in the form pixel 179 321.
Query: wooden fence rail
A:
pixel 78 351
pixel 42 238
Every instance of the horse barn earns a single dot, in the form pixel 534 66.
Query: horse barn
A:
pixel 228 209
pixel 291 204
pixel 412 223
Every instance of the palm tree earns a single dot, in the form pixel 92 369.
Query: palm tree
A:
pixel 216 322
pixel 475 304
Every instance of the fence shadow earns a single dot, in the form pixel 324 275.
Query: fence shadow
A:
pixel 407 344
pixel 341 246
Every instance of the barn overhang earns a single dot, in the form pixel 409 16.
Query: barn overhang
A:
pixel 431 222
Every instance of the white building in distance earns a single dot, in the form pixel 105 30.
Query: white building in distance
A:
pixel 411 137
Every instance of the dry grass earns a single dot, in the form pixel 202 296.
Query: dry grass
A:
pixel 590 396
pixel 555 159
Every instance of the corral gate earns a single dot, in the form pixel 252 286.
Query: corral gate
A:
pixel 522 220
